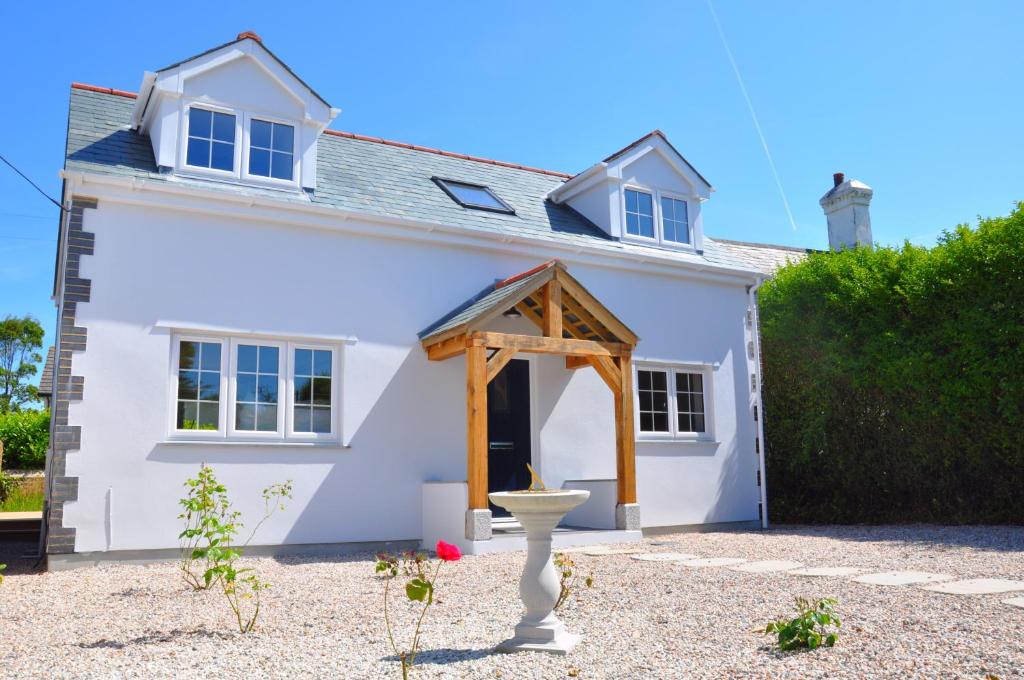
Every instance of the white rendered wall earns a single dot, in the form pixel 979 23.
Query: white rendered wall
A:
pixel 403 416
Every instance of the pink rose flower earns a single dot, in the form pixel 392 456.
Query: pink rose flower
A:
pixel 448 552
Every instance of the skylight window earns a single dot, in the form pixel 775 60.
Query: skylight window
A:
pixel 475 196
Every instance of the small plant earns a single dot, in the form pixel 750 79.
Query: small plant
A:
pixel 208 554
pixel 420 583
pixel 815 624
pixel 568 575
pixel 210 525
pixel 2 568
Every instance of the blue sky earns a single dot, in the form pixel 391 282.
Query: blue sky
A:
pixel 921 100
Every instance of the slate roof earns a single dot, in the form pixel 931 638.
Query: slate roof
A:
pixel 761 257
pixel 383 179
pixel 46 378
pixel 499 294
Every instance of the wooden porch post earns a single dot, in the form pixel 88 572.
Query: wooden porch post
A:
pixel 476 424
pixel 625 439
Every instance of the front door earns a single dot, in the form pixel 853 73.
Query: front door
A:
pixel 508 430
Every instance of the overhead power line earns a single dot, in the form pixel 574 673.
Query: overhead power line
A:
pixel 34 185
pixel 753 115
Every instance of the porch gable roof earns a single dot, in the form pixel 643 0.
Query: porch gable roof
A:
pixel 585 317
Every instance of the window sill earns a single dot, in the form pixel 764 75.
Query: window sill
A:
pixel 273 444
pixel 676 440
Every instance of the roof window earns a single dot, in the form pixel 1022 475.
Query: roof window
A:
pixel 475 196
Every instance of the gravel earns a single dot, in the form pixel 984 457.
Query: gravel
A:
pixel 641 619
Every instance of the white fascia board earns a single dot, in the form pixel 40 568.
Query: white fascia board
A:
pixel 657 145
pixel 577 183
pixel 145 92
pixel 175 196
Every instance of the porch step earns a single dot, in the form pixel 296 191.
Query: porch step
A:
pixel 20 526
pixel 506 525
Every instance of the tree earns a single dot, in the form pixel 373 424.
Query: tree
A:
pixel 19 340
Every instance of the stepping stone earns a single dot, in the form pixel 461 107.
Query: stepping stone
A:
pixel 663 557
pixel 602 550
pixel 767 566
pixel 901 578
pixel 828 571
pixel 977 586
pixel 713 562
pixel 1015 602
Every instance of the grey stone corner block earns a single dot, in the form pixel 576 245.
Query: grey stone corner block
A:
pixel 627 516
pixel 478 525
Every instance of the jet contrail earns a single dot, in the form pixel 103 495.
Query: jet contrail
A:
pixel 750 107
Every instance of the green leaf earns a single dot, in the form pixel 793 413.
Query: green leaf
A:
pixel 417 589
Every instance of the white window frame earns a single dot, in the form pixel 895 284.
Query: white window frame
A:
pixel 222 412
pixel 654 214
pixel 659 223
pixel 334 434
pixel 183 145
pixel 272 181
pixel 282 385
pixel 226 432
pixel 240 174
pixel 707 373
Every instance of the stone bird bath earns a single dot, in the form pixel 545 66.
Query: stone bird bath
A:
pixel 539 511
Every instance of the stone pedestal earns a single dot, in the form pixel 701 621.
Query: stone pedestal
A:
pixel 539 513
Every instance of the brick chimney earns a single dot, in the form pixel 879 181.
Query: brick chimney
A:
pixel 846 209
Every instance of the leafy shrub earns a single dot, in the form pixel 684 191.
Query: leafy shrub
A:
pixel 26 435
pixel 892 389
pixel 208 554
pixel 815 624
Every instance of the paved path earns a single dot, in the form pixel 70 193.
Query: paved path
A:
pixel 939 583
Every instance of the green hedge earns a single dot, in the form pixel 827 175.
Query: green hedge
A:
pixel 894 381
pixel 25 435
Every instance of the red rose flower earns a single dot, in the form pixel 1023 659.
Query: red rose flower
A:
pixel 448 552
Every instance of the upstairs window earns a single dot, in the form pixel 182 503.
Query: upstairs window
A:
pixel 675 223
pixel 271 149
pixel 476 196
pixel 211 140
pixel 639 214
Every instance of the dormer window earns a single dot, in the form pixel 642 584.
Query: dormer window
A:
pixel 211 140
pixel 675 223
pixel 271 149
pixel 639 214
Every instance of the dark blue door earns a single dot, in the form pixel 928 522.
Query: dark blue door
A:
pixel 508 430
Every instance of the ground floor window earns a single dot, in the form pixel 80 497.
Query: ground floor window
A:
pixel 671 402
pixel 254 388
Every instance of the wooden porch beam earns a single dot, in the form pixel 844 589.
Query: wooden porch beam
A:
pixel 498 361
pixel 447 348
pixel 586 317
pixel 552 303
pixel 476 426
pixel 609 372
pixel 625 433
pixel 590 303
pixel 541 345
pixel 572 363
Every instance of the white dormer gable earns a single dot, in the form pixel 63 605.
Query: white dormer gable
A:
pixel 235 113
pixel 645 193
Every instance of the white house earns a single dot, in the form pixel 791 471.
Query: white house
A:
pixel 397 329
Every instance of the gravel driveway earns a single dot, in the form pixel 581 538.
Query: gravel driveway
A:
pixel 640 620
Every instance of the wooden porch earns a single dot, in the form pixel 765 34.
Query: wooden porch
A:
pixel 573 324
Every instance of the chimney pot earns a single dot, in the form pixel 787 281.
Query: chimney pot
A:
pixel 838 178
